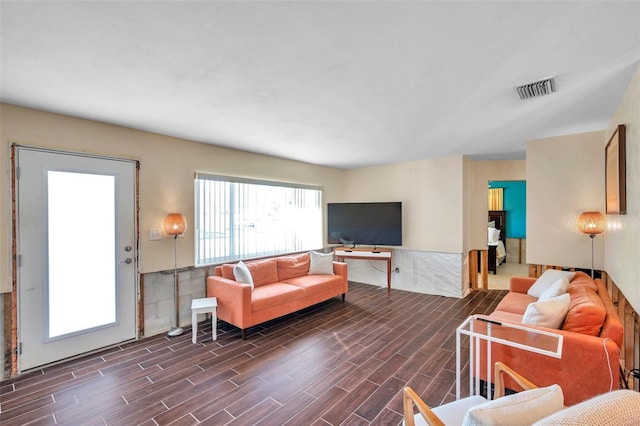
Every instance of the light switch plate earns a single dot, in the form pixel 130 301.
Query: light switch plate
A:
pixel 155 234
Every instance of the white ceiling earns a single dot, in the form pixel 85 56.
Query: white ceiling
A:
pixel 338 83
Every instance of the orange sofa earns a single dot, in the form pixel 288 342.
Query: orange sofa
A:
pixel 592 340
pixel 282 285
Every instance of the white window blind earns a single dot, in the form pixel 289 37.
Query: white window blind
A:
pixel 241 218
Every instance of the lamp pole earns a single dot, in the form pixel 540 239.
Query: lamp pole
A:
pixel 177 330
pixel 592 236
pixel 175 224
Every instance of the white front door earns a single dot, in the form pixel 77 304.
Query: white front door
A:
pixel 76 247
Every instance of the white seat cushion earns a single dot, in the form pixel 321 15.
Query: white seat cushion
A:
pixel 453 412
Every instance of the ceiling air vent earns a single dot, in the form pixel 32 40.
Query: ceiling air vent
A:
pixel 537 88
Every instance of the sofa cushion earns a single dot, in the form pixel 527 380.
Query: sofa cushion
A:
pixel 522 408
pixel 274 294
pixel 586 312
pixel 506 316
pixel 612 327
pixel 547 313
pixel 547 278
pixel 515 303
pixel 556 289
pixel 227 271
pixel 583 279
pixel 321 263
pixel 314 284
pixel 242 274
pixel 263 271
pixel 293 266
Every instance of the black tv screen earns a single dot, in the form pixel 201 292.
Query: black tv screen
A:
pixel 376 224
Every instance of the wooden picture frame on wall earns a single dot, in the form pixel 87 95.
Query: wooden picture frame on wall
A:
pixel 615 173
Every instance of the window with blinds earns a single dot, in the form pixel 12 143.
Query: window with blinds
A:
pixel 240 218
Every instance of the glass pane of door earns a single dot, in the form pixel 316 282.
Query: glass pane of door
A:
pixel 81 249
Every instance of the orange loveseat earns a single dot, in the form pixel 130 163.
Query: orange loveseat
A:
pixel 282 285
pixel 592 334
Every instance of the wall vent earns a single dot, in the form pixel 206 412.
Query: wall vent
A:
pixel 537 88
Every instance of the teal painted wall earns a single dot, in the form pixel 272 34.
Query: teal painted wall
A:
pixel 515 204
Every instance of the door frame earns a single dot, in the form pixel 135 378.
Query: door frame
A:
pixel 11 301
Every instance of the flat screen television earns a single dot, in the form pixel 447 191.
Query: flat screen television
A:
pixel 372 224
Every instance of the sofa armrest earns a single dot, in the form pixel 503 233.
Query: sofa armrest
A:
pixel 234 300
pixel 588 367
pixel 521 284
pixel 340 268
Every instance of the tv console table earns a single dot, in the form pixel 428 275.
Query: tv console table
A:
pixel 366 253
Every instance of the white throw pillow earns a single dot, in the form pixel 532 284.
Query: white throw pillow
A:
pixel 547 278
pixel 321 263
pixel 556 289
pixel 242 274
pixel 493 235
pixel 523 408
pixel 548 313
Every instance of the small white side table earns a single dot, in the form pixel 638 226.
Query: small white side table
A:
pixel 203 306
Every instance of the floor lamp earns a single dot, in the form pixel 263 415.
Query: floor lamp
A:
pixel 592 223
pixel 175 224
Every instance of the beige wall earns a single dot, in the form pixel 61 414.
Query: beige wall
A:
pixel 444 199
pixel 166 173
pixel 477 176
pixel 622 246
pixel 431 190
pixel 565 177
pixel 431 194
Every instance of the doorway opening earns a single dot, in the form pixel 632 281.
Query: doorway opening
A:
pixel 507 199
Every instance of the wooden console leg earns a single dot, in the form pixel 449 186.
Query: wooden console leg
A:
pixel 343 297
pixel 244 334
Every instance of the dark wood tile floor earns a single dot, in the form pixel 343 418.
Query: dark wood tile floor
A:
pixel 337 363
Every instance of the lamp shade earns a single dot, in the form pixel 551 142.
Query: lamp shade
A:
pixel 592 223
pixel 175 224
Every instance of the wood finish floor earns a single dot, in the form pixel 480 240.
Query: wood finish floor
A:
pixel 335 363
